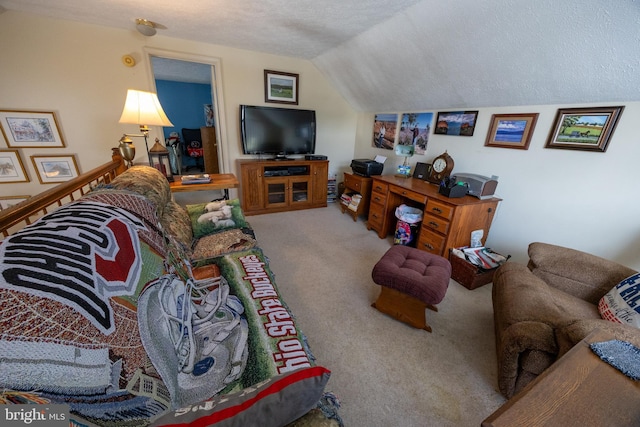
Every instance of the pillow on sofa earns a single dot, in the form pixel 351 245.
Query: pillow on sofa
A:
pixel 622 303
pixel 213 217
pixel 237 239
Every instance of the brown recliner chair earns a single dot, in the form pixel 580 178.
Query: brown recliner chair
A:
pixel 543 309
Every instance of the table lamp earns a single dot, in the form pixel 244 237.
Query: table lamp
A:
pixel 406 151
pixel 143 109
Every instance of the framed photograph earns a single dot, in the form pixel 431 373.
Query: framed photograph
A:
pixel 511 130
pixel 462 123
pixel 384 131
pixel 587 129
pixel 414 130
pixel 53 169
pixel 30 129
pixel 7 201
pixel 11 167
pixel 280 87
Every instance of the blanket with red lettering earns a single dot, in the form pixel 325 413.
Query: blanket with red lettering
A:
pixel 232 327
pixel 69 285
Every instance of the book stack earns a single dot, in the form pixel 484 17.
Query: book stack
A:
pixel 331 190
pixel 345 199
pixel 483 257
pixel 355 201
pixel 203 178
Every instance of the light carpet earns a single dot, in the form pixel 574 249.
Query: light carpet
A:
pixel 384 372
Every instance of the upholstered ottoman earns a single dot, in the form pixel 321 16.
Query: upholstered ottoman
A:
pixel 411 280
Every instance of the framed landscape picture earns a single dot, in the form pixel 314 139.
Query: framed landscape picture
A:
pixel 461 123
pixel 280 87
pixel 587 129
pixel 30 129
pixel 11 167
pixel 52 169
pixel 511 130
pixel 7 201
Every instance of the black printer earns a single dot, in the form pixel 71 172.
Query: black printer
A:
pixel 366 167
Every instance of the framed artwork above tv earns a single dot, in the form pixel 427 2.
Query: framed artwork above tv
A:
pixel 280 87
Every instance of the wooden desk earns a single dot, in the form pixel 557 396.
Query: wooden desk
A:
pixel 219 181
pixel 578 390
pixel 447 222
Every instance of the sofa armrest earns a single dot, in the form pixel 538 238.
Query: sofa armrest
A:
pixel 524 350
pixel 573 332
pixel 578 273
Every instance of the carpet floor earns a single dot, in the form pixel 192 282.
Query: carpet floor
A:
pixel 384 372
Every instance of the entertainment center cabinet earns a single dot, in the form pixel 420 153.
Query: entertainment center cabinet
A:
pixel 268 186
pixel 447 222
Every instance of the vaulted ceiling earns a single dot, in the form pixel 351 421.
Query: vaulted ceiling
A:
pixel 401 55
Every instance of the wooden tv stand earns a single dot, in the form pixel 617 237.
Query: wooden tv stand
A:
pixel 268 186
pixel 447 222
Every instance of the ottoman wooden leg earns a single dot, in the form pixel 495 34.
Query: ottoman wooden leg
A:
pixel 403 307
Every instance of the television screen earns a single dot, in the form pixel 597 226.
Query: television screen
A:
pixel 279 131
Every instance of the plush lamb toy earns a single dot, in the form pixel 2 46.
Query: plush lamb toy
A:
pixel 218 213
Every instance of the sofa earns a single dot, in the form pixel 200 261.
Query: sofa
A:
pixel 133 310
pixel 544 308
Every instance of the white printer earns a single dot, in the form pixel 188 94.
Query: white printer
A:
pixel 482 187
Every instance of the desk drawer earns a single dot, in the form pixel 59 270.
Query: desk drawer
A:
pixel 432 222
pixel 431 242
pixel 408 194
pixel 380 187
pixel 379 198
pixel 352 182
pixel 376 216
pixel 436 207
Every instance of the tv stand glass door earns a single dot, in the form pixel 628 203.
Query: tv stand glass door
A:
pixel 288 191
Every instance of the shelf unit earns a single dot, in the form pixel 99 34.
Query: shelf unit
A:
pixel 361 185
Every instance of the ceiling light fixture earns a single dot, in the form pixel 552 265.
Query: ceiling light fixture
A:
pixel 146 27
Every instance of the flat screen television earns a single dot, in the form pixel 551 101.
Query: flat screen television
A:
pixel 277 131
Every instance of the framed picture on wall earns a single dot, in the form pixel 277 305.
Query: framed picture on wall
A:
pixel 30 129
pixel 414 130
pixel 462 123
pixel 11 167
pixel 281 88
pixel 511 130
pixel 52 169
pixel 384 131
pixel 7 201
pixel 587 129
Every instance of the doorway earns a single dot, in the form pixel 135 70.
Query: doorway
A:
pixel 190 93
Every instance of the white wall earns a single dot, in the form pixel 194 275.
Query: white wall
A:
pixel 76 70
pixel 580 199
pixel 584 200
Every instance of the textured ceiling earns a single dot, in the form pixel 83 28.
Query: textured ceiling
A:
pixel 402 55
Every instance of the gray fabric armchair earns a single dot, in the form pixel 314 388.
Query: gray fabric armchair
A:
pixel 543 309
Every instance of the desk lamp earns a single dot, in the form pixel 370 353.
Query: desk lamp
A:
pixel 405 151
pixel 143 109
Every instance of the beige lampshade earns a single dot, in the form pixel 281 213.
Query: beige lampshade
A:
pixel 143 108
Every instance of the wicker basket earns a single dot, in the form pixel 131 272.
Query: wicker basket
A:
pixel 469 275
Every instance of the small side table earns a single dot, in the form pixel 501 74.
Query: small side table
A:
pixel 219 181
pixel 362 186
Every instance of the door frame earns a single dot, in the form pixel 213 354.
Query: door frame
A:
pixel 217 97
